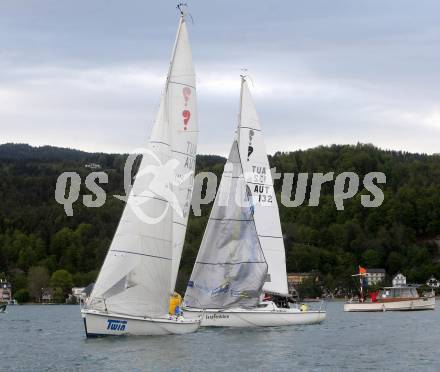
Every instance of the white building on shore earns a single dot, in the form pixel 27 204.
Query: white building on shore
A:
pixel 399 280
pixel 375 276
pixel 433 282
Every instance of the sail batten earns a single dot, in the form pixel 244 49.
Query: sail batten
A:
pixel 142 254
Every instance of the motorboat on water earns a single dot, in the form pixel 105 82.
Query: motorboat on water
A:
pixel 402 298
pixel 242 257
pixel 131 294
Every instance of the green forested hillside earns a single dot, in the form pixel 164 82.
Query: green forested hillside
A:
pixel 400 235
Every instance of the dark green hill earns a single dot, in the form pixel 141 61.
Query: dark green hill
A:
pixel 399 235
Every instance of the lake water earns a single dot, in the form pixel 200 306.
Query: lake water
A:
pixel 35 338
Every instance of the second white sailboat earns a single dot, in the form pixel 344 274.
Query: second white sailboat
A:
pixel 242 253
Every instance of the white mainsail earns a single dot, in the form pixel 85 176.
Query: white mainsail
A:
pixel 182 109
pixel 259 179
pixel 140 268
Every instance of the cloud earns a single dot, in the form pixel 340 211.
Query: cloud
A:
pixel 90 76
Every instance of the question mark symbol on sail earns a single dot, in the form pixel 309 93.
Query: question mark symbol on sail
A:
pixel 186 93
pixel 186 115
pixel 250 148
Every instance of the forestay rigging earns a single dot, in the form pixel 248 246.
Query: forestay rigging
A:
pixel 230 268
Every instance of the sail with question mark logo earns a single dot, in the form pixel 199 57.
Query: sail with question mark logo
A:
pixel 132 292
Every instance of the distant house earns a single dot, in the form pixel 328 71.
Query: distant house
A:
pixel 80 294
pixel 77 295
pixel 375 276
pixel 5 291
pixel 399 280
pixel 295 279
pixel 298 278
pixel 433 282
pixel 46 295
pixel 93 166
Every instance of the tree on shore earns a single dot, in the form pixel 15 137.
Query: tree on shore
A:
pixel 62 282
pixel 38 278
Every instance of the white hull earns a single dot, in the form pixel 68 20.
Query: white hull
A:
pixel 255 318
pixel 101 324
pixel 423 303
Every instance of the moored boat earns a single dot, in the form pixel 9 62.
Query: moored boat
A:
pixel 404 298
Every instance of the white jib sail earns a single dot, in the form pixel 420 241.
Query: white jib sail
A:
pixel 259 179
pixel 230 268
pixel 137 275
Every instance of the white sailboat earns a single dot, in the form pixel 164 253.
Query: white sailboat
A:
pixel 131 294
pixel 242 253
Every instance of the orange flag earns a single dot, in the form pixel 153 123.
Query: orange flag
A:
pixel 362 270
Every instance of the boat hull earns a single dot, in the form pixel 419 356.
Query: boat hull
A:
pixel 102 324
pixel 254 318
pixel 3 308
pixel 423 303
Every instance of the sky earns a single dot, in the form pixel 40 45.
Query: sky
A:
pixel 89 74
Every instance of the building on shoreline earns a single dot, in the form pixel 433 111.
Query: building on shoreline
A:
pixel 93 166
pixel 375 276
pixel 46 295
pixel 432 282
pixel 399 280
pixel 296 279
